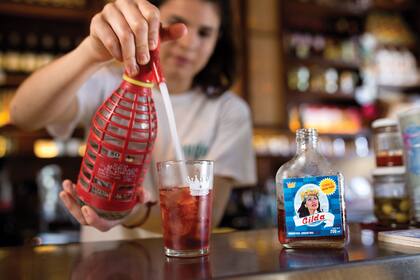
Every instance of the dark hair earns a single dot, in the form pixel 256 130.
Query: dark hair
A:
pixel 219 73
pixel 304 211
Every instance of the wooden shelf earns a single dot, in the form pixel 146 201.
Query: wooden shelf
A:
pixel 402 7
pixel 291 134
pixel 294 8
pixel 403 89
pixel 319 61
pixel 304 9
pixel 12 131
pixel 23 141
pixel 410 47
pixel 347 136
pixel 13 80
pixel 321 97
pixel 56 13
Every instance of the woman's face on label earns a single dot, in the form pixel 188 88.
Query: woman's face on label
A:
pixel 187 56
pixel 312 202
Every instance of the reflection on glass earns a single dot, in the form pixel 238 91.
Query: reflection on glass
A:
pixel 127 261
pixel 187 268
pixel 302 258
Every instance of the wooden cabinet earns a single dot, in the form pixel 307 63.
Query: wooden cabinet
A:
pixel 322 63
pixel 314 38
pixel 32 33
pixel 325 58
pixel 264 66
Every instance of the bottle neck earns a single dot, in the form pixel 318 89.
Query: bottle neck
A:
pixel 149 73
pixel 306 139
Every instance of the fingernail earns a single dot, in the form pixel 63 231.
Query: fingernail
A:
pixel 85 212
pixel 144 58
pixel 134 70
pixel 131 70
pixel 152 44
pixel 63 197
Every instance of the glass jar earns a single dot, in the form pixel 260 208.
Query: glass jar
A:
pixel 387 143
pixel 392 204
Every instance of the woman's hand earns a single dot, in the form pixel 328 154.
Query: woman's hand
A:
pixel 86 215
pixel 127 30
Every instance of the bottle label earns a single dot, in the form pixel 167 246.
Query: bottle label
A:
pixel 411 137
pixel 113 170
pixel 312 207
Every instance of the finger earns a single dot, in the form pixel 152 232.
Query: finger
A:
pixel 139 28
pixel 144 195
pixel 67 185
pixel 173 32
pixel 94 220
pixel 141 193
pixel 125 36
pixel 70 188
pixel 152 15
pixel 103 32
pixel 73 207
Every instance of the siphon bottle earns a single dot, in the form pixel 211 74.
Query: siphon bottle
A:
pixel 310 202
pixel 119 146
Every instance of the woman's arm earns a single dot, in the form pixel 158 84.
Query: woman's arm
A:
pixel 124 30
pixel 48 96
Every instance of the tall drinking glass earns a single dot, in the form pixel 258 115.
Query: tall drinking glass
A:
pixel 185 190
pixel 410 129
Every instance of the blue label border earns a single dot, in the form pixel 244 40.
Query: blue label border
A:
pixel 327 222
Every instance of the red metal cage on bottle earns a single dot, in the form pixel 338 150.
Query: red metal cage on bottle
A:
pixel 118 148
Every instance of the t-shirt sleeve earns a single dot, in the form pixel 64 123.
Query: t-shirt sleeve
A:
pixel 89 97
pixel 232 149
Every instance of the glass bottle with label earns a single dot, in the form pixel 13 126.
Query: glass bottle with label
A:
pixel 310 202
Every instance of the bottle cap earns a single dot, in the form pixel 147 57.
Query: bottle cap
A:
pixel 383 123
pixel 385 171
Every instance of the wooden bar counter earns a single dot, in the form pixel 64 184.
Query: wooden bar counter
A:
pixel 242 254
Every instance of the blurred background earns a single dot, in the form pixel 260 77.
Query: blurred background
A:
pixel 335 65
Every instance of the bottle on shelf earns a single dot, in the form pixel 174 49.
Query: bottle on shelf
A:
pixel 28 58
pixel 11 60
pixel 387 142
pixel 310 198
pixel 392 202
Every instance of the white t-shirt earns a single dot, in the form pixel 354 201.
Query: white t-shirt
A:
pixel 218 129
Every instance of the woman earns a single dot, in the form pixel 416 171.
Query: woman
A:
pixel 310 204
pixel 197 59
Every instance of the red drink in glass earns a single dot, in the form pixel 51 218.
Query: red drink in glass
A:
pixel 185 190
pixel 186 219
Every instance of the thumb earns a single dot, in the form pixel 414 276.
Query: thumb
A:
pixel 173 32
pixel 144 195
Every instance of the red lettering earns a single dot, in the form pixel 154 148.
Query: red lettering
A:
pixel 313 218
